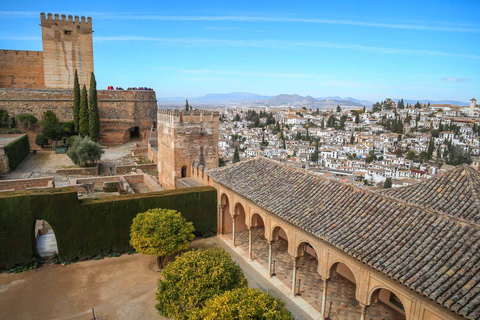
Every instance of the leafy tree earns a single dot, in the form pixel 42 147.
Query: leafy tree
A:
pixel 193 278
pixel 41 140
pixel 410 155
pixel 388 183
pixel 13 131
pixel 237 117
pixel 93 116
pixel 26 119
pixel 85 151
pixel 51 126
pixel 401 104
pixel 76 102
pixel 3 117
pixel 160 232
pixel 357 117
pixel 71 140
pixel 352 139
pixel 187 106
pixel 418 105
pixel 458 156
pixel 68 127
pixel 83 121
pixel 323 124
pixel 244 304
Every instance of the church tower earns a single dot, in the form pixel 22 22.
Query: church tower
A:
pixel 67 45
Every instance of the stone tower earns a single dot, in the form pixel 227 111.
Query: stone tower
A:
pixel 67 45
pixel 473 105
pixel 185 138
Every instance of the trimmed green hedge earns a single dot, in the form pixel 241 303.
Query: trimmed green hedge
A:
pixel 17 151
pixel 87 228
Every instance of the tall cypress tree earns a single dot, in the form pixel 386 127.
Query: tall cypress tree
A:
pixel 93 116
pixel 236 155
pixel 76 102
pixel 83 114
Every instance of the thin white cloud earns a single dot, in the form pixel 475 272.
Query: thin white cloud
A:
pixel 456 79
pixel 280 44
pixel 248 18
pixel 249 73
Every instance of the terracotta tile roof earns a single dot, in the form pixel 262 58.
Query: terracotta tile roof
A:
pixel 425 236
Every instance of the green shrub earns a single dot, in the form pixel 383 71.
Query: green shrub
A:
pixel 41 140
pixel 17 151
pixel 26 119
pixel 4 118
pixel 160 232
pixel 244 304
pixel 193 278
pixel 71 140
pixel 13 131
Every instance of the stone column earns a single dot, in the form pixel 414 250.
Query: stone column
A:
pixel 270 244
pixel 250 253
pixel 294 275
pixel 324 298
pixel 220 219
pixel 363 311
pixel 233 231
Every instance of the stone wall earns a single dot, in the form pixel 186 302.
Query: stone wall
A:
pixel 67 46
pixel 22 184
pixel 119 110
pixel 21 69
pixel 184 138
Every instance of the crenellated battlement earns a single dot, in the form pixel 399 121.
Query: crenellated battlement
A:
pixel 21 52
pixel 172 116
pixel 56 18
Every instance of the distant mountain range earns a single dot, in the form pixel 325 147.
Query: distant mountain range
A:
pixel 246 98
pixel 252 99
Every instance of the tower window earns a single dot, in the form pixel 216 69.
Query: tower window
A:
pixel 68 32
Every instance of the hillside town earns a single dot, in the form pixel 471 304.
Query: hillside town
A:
pixel 390 145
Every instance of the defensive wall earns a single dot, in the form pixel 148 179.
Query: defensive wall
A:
pixel 91 227
pixel 119 110
pixel 21 69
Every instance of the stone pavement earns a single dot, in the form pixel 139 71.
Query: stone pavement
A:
pixel 341 292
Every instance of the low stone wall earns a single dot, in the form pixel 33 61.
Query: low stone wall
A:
pixel 151 183
pixel 133 167
pixel 22 184
pixel 85 171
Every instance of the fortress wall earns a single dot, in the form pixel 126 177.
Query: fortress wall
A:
pixel 21 69
pixel 119 110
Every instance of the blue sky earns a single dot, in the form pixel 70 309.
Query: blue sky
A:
pixel 363 49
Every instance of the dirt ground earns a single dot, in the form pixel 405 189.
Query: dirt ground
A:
pixel 120 288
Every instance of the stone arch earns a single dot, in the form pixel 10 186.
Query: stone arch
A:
pixel 397 303
pixel 241 217
pixel 254 222
pixel 300 247
pixel 336 262
pixel 276 232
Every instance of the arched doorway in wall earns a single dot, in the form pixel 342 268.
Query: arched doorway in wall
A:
pixel 46 243
pixel 281 259
pixel 226 217
pixel 311 283
pixel 184 171
pixel 341 292
pixel 385 304
pixel 134 133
